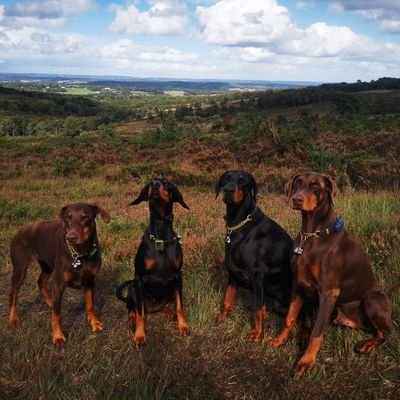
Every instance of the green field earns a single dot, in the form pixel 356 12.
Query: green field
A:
pixel 214 361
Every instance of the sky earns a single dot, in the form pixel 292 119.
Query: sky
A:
pixel 278 40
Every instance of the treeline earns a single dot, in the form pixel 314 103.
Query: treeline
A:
pixel 347 97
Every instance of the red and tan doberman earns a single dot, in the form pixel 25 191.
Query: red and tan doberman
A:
pixel 331 273
pixel 68 248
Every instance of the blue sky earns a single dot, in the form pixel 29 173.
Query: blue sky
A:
pixel 296 40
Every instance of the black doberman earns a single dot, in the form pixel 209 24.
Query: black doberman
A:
pixel 257 250
pixel 68 248
pixel 158 261
pixel 331 273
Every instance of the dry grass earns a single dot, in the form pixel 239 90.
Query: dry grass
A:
pixel 215 361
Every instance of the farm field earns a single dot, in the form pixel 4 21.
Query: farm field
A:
pixel 214 361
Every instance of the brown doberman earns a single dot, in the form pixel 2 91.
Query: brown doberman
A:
pixel 69 248
pixel 158 262
pixel 331 273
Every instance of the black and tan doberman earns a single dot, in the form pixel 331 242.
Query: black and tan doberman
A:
pixel 67 249
pixel 158 262
pixel 331 273
pixel 257 250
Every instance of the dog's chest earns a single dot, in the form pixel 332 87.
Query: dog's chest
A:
pixel 238 265
pixel 307 272
pixel 82 275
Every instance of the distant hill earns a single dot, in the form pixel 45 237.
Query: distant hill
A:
pixel 208 85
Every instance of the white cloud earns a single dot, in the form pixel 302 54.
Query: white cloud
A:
pixel 45 13
pixel 130 52
pixel 30 43
pixel 249 23
pixel 164 17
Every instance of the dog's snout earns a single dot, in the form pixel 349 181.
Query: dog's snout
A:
pixel 71 236
pixel 230 187
pixel 297 199
pixel 155 184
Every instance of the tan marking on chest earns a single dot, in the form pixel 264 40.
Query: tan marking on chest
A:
pixel 150 263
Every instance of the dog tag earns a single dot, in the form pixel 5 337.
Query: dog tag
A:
pixel 228 239
pixel 76 263
pixel 159 245
pixel 298 250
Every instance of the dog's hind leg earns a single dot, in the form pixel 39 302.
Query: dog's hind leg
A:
pixel 378 310
pixel 21 259
pixel 43 281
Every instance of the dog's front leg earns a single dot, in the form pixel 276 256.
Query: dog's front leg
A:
pixel 58 287
pixel 91 316
pixel 229 299
pixel 326 304
pixel 140 333
pixel 183 326
pixel 256 333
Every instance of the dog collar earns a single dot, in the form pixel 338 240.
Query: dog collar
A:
pixel 304 236
pixel 76 256
pixel 160 244
pixel 230 229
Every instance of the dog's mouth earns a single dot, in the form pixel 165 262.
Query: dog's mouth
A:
pixel 297 204
pixel 227 197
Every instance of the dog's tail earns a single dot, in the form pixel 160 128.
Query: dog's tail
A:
pixel 120 289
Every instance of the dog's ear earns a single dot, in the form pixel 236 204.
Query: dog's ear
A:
pixel 253 188
pixel 143 196
pixel 105 216
pixel 62 212
pixel 331 188
pixel 289 186
pixel 177 196
pixel 218 185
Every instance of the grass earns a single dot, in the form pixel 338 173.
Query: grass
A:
pixel 214 361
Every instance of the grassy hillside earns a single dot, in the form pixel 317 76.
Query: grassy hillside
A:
pixel 193 145
pixel 215 361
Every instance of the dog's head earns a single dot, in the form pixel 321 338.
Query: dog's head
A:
pixel 159 191
pixel 236 185
pixel 79 221
pixel 308 190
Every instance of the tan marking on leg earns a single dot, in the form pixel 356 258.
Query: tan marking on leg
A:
pixel 57 334
pixel 140 334
pixel 309 358
pixel 91 316
pixel 183 326
pixel 291 318
pixel 14 318
pixel 256 333
pixel 370 345
pixel 229 302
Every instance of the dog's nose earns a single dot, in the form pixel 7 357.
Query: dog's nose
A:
pixel 230 187
pixel 298 198
pixel 155 184
pixel 71 237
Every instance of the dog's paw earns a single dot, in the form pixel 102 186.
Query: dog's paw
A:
pixel 59 341
pixel 14 322
pixel 304 365
pixel 140 339
pixel 254 335
pixel 277 342
pixel 96 325
pixel 183 329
